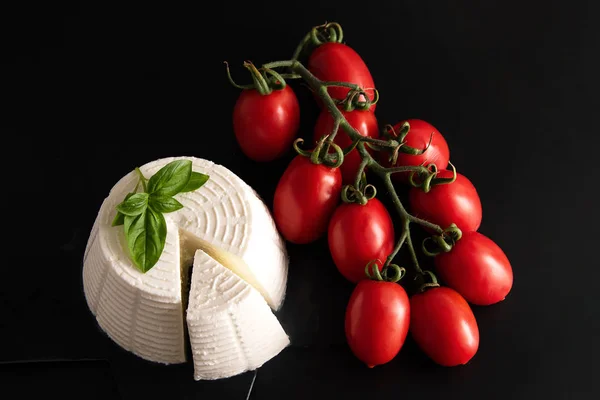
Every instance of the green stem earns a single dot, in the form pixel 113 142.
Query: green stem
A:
pixel 301 47
pixel 341 84
pixel 413 253
pixel 426 224
pixel 397 248
pixel 336 128
pixel 363 164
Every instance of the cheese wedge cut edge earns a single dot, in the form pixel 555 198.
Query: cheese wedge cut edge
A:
pixel 231 327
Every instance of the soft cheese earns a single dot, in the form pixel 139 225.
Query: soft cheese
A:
pixel 231 327
pixel 144 312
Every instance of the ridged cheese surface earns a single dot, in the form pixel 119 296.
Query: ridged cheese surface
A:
pixel 231 327
pixel 142 312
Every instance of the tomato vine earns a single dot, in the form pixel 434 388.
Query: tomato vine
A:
pixel 443 237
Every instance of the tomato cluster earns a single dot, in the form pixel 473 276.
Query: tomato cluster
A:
pixel 323 193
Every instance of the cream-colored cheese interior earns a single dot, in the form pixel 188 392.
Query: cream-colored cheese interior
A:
pixel 189 244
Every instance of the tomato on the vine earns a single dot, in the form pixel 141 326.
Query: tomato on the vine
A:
pixel 359 234
pixel 457 202
pixel 364 121
pixel 443 326
pixel 377 320
pixel 338 62
pixel 265 125
pixel 477 268
pixel 305 198
pixel 419 136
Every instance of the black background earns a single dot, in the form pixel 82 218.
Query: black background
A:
pixel 94 90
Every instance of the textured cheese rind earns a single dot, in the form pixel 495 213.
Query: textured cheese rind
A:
pixel 140 312
pixel 231 327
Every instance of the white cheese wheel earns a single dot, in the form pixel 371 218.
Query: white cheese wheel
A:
pixel 142 312
pixel 230 325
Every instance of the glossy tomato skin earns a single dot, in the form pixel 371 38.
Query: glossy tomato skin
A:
pixel 457 202
pixel 358 234
pixel 305 198
pixel 339 62
pixel 477 268
pixel 443 326
pixel 364 122
pixel 265 125
pixel 377 321
pixel 418 137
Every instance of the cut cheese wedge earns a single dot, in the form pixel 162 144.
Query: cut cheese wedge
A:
pixel 230 325
pixel 144 312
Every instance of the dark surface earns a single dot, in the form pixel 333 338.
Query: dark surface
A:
pixel 103 88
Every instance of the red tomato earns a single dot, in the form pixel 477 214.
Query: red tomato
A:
pixel 377 320
pixel 418 137
pixel 339 62
pixel 443 326
pixel 444 204
pixel 477 268
pixel 359 234
pixel 364 122
pixel 305 198
pixel 265 125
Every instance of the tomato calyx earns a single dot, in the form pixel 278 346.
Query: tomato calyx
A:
pixel 352 100
pixel 384 275
pixel 429 179
pixel 318 156
pixel 443 242
pixel 264 80
pixel 432 283
pixel 328 32
pixel 389 132
pixel 360 193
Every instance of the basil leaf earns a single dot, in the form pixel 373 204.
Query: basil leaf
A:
pixel 196 181
pixel 120 217
pixel 146 234
pixel 164 204
pixel 171 178
pixel 135 205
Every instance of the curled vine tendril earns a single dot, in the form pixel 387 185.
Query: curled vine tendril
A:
pixel 430 179
pixel 328 32
pixel 372 272
pixel 442 243
pixel 333 160
pixel 427 285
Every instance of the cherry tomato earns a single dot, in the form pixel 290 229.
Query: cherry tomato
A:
pixel 364 122
pixel 377 320
pixel 305 198
pixel 477 268
pixel 339 62
pixel 418 137
pixel 443 326
pixel 265 125
pixel 359 234
pixel 444 204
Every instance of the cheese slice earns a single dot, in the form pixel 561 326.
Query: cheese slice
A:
pixel 230 325
pixel 143 312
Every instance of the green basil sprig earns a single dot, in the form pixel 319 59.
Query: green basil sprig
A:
pixel 141 214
